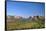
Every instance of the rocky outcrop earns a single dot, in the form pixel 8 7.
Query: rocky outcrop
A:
pixel 18 17
pixel 15 18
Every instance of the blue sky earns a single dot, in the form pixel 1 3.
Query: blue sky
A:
pixel 25 9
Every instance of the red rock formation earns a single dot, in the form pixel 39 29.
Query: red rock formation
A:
pixel 18 17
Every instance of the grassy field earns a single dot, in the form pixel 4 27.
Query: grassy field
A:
pixel 22 24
